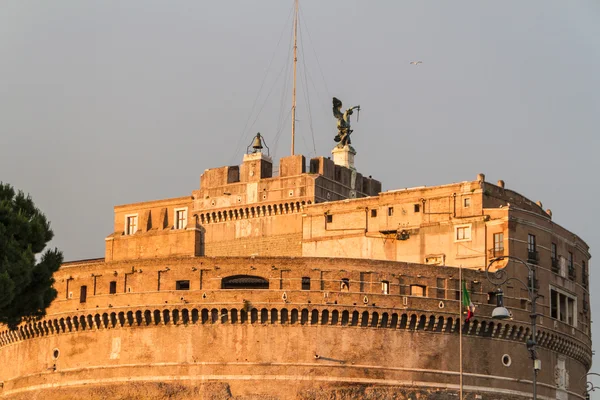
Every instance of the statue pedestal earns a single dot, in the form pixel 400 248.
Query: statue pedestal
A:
pixel 344 156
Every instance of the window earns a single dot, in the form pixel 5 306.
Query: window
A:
pixel 584 277
pixel 131 224
pixel 385 287
pixel 345 285
pixel 83 294
pixel 329 218
pixel 563 306
pixel 112 289
pixel 498 244
pixel 180 218
pixel 305 283
pixel 531 248
pixel 373 213
pixel 571 266
pixel 182 285
pixel 554 258
pixel 417 208
pixel 390 211
pixel 417 290
pixel 244 282
pixel 492 298
pixel 441 292
pixel 467 202
pixel 463 232
pixel 403 287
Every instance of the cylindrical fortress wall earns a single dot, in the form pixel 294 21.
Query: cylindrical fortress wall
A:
pixel 279 342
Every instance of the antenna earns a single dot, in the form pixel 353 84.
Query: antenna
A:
pixel 294 87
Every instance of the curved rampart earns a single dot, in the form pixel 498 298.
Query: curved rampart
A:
pixel 281 341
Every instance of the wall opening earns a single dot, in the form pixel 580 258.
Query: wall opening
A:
pixel 305 283
pixel 182 285
pixel 244 282
pixel 83 294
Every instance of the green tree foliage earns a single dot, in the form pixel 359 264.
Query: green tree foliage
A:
pixel 25 282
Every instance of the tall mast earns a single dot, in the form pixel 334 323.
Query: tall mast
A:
pixel 294 88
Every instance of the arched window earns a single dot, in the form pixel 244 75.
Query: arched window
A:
pixel 244 282
pixel 345 285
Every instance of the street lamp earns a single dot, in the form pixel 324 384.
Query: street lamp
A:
pixel 500 277
pixel 589 387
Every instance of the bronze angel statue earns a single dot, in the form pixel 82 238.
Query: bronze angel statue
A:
pixel 343 125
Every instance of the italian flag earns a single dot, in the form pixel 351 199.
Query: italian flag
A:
pixel 467 303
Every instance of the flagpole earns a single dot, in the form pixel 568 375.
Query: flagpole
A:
pixel 460 323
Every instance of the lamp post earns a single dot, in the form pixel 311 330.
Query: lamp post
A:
pixel 589 387
pixel 500 277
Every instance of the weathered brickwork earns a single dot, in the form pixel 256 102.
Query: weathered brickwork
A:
pixel 312 284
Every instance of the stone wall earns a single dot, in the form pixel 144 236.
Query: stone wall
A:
pixel 289 341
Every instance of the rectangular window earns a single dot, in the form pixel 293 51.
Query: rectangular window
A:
pixel 373 213
pixel 417 208
pixel 532 255
pixel 385 287
pixel 570 311
pixel 584 276
pixel 390 211
pixel 571 266
pixel 329 218
pixel 404 289
pixel 305 283
pixel 531 246
pixel 563 307
pixel 182 285
pixel 492 298
pixel 498 244
pixel 463 232
pixel 554 258
pixel 112 289
pixel 83 294
pixel 457 290
pixel 418 290
pixel 441 290
pixel 467 202
pixel 180 218
pixel 131 222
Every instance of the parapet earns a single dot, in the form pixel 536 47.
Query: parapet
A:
pixel 292 166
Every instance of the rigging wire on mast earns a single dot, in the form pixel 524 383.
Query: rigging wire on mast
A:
pixel 307 94
pixel 295 62
pixel 243 133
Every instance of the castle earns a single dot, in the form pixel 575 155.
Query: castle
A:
pixel 311 283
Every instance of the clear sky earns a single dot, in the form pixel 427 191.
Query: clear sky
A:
pixel 112 102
